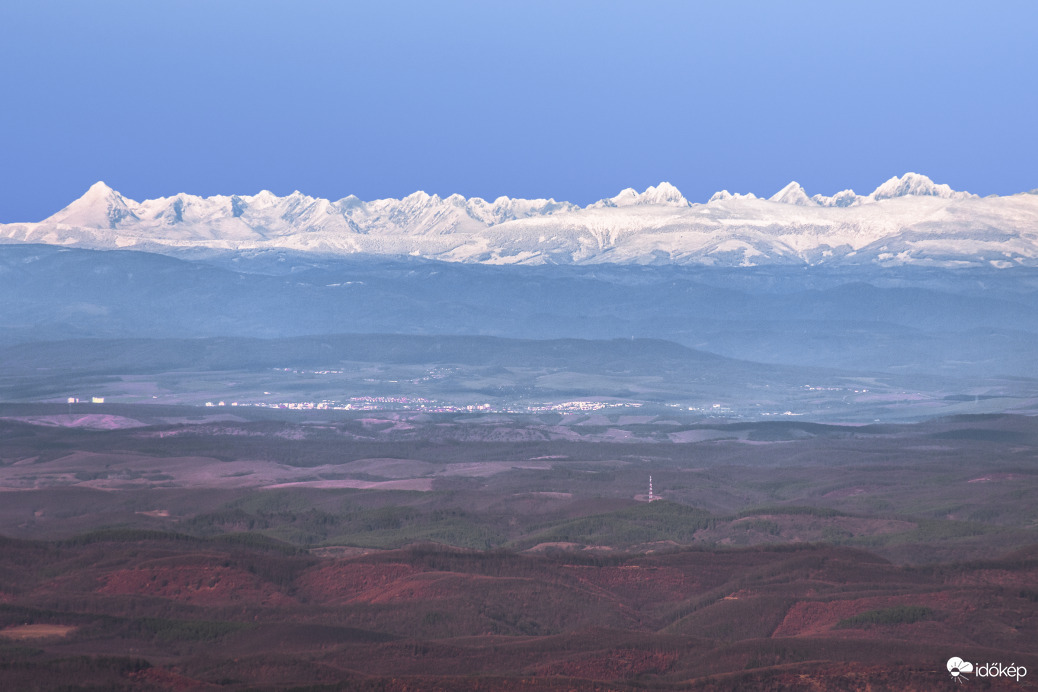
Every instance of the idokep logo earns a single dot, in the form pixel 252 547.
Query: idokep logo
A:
pixel 958 669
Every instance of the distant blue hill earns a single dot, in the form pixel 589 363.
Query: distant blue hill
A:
pixel 968 322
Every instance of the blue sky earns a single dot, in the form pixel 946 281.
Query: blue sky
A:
pixel 572 100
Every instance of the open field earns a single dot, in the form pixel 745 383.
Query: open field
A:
pixel 23 632
pixel 957 487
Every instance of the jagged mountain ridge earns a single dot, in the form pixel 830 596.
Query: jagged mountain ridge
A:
pixel 906 220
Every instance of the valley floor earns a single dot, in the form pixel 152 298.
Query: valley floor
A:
pixel 455 552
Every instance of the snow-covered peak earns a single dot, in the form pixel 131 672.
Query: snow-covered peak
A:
pixel 792 194
pixel 262 199
pixel 420 198
pixel 99 207
pixel 916 185
pixel 625 198
pixel 723 195
pixel 350 202
pixel 844 198
pixel 663 194
pixel 506 208
pixel 99 189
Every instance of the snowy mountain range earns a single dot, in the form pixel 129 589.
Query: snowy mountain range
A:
pixel 906 220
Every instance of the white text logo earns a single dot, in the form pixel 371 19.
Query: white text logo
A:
pixel 958 669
